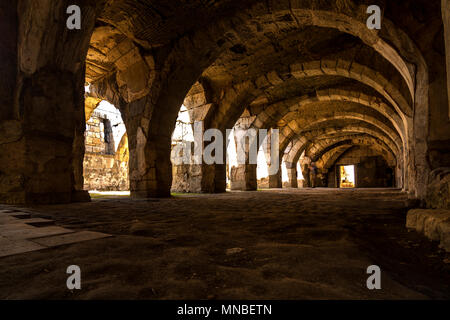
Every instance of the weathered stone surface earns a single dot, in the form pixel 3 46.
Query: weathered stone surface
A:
pixel 308 68
pixel 299 239
pixel 44 125
pixel 434 224
pixel 338 93
pixel 59 240
pixel 105 173
pixel 438 192
pixel 104 167
pixel 21 233
pixel 9 247
pixel 187 178
pixel 446 18
pixel 243 177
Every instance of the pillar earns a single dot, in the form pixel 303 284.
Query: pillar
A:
pixel 214 176
pixel 275 180
pixel 149 165
pixel 446 19
pixel 305 173
pixel 42 102
pixel 243 177
pixel 292 174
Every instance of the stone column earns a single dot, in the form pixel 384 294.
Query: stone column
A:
pixel 214 176
pixel 152 170
pixel 11 130
pixel 292 174
pixel 149 165
pixel 275 181
pixel 446 18
pixel 42 104
pixel 305 173
pixel 243 177
pixel 220 178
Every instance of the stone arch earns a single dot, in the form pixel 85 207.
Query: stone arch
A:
pixel 235 99
pixel 318 149
pixel 349 19
pixel 327 159
pixel 301 139
pixel 394 135
pixel 315 147
pixel 173 71
pixel 407 48
pixel 271 115
pixel 195 62
pixel 293 129
pixel 198 101
pixel 90 104
pixel 106 156
pixel 330 157
pixel 300 143
pixel 240 95
pixel 122 153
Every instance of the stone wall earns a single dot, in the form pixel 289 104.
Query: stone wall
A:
pixel 98 136
pixel 438 191
pixel 434 224
pixel 243 177
pixel 104 169
pixel 187 178
pixel 371 170
pixel 105 173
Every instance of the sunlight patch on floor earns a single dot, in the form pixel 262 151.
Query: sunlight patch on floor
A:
pixel 102 194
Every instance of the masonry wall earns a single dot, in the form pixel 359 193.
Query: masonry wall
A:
pixel 103 168
pixel 105 173
pixel 187 178
pixel 98 136
pixel 371 170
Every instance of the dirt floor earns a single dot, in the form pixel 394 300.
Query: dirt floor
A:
pixel 282 244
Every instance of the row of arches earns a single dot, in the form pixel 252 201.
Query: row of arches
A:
pixel 325 151
pixel 311 70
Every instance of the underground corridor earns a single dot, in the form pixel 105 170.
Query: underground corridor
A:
pixel 225 149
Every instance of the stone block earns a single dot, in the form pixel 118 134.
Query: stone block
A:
pixel 312 68
pixel 433 223
pixel 10 247
pixel 329 66
pixel 70 238
pixel 438 190
pixel 343 67
pixel 297 70
pixel 23 231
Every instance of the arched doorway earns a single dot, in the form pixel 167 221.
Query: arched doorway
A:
pixel 105 163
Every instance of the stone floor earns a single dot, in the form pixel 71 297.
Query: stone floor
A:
pixel 277 244
pixel 21 231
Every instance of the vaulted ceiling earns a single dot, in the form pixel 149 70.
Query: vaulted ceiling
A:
pixel 275 56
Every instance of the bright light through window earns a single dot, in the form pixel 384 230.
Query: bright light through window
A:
pixel 183 129
pixel 347 176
